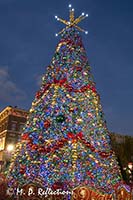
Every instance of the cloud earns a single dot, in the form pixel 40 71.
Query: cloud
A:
pixel 9 91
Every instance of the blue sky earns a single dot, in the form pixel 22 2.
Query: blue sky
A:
pixel 27 44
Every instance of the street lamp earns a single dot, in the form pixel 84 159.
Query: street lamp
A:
pixel 8 153
pixel 6 156
pixel 10 148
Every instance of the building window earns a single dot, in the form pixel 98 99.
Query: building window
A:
pixel 19 137
pixel 3 127
pixel 21 127
pixel 2 143
pixel 14 126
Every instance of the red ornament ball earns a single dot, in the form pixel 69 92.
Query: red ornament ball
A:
pixel 25 136
pixel 46 124
pixel 79 68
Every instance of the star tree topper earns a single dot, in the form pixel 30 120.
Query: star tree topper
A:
pixel 72 21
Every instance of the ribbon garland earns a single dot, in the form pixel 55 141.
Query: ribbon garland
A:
pixel 69 88
pixel 59 144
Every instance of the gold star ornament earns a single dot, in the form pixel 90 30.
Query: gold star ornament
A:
pixel 72 21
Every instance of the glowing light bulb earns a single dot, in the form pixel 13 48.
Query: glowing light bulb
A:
pixel 86 32
pixel 56 34
pixel 83 14
pixel 86 15
pixel 56 17
pixel 73 9
pixel 70 5
pixel 10 147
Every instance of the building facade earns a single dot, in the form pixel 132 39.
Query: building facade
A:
pixel 12 120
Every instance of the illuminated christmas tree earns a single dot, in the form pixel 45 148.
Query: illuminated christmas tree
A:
pixel 65 140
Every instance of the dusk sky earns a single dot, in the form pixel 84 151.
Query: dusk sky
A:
pixel 28 42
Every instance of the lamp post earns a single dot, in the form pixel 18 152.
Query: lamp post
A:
pixel 8 153
pixel 6 156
